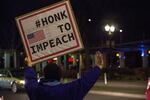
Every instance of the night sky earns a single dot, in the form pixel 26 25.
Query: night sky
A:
pixel 132 16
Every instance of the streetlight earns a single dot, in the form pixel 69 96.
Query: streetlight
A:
pixel 110 29
pixel 120 31
pixel 89 20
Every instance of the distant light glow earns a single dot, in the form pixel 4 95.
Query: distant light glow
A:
pixel 120 56
pixel 72 56
pixel 148 51
pixel 117 54
pixel 54 58
pixel 107 28
pixel 121 30
pixel 77 60
pixel 22 82
pixel 143 53
pixel 89 20
pixel 112 28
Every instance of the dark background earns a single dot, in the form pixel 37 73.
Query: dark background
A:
pixel 132 16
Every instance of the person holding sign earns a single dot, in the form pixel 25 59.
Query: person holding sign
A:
pixel 50 88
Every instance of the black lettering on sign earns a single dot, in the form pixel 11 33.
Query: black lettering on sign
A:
pixel 39 47
pixel 44 21
pixel 61 28
pixel 71 37
pixel 51 42
pixel 33 49
pixel 45 45
pixel 56 42
pixel 64 39
pixel 63 14
pixel 51 19
pixel 65 26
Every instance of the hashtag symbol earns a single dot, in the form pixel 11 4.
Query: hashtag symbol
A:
pixel 37 23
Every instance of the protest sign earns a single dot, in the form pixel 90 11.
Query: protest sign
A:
pixel 49 32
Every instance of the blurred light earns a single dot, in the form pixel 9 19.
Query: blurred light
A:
pixel 22 82
pixel 54 58
pixel 112 28
pixel 77 60
pixel 107 28
pixel 72 56
pixel 89 20
pixel 142 52
pixel 148 51
pixel 117 54
pixel 121 30
pixel 21 53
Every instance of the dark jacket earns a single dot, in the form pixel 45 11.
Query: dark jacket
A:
pixel 75 90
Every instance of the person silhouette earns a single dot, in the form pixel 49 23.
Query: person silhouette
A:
pixel 50 88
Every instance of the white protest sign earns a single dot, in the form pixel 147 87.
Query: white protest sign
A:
pixel 49 32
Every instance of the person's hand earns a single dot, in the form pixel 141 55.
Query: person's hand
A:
pixel 99 60
pixel 28 61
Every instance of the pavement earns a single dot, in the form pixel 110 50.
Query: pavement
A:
pixel 121 88
pixel 135 84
